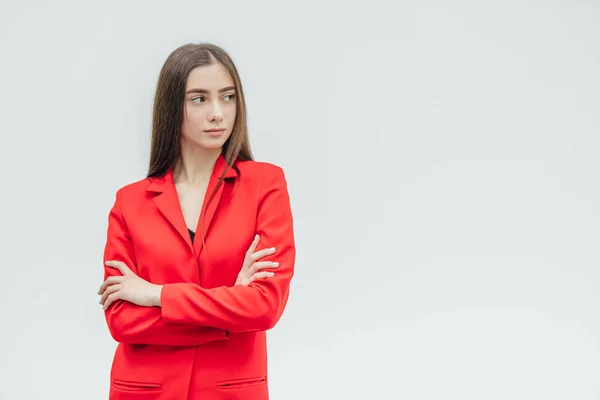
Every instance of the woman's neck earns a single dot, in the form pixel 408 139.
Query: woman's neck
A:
pixel 195 166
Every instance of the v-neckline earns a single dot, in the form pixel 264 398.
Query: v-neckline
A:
pixel 168 201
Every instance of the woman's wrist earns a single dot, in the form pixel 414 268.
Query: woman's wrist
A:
pixel 156 293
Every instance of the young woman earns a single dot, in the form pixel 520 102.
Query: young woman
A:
pixel 200 254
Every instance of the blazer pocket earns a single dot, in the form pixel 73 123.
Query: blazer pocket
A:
pixel 241 383
pixel 130 386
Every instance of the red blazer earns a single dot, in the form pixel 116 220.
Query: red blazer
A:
pixel 208 338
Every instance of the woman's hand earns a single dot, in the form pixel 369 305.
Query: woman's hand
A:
pixel 252 270
pixel 129 287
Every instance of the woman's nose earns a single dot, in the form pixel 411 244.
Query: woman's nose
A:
pixel 216 114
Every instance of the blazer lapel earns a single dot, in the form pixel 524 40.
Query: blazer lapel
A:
pixel 211 207
pixel 167 203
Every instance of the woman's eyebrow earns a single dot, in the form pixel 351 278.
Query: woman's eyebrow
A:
pixel 206 91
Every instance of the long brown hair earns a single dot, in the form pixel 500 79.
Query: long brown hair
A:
pixel 167 116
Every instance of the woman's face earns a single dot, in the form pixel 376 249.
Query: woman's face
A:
pixel 209 104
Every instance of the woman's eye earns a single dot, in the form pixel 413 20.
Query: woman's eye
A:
pixel 197 99
pixel 231 96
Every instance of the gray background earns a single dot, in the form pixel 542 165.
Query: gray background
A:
pixel 443 165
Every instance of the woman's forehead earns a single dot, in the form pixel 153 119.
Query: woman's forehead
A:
pixel 212 77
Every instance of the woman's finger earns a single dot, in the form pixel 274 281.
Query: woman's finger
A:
pixel 110 290
pixel 253 245
pixel 121 266
pixel 111 280
pixel 110 299
pixel 257 266
pixel 260 275
pixel 262 253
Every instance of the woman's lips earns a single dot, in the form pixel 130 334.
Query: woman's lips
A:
pixel 215 132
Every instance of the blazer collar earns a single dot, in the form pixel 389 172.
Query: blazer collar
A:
pixel 158 184
pixel 168 203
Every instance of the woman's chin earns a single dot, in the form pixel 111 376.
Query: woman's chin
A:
pixel 207 144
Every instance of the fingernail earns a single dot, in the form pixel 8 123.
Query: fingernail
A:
pixel 272 248
pixel 276 264
pixel 255 237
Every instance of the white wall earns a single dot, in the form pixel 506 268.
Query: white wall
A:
pixel 442 158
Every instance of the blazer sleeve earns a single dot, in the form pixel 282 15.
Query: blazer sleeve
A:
pixel 258 306
pixel 133 324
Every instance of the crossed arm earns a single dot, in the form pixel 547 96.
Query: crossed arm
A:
pixel 186 314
